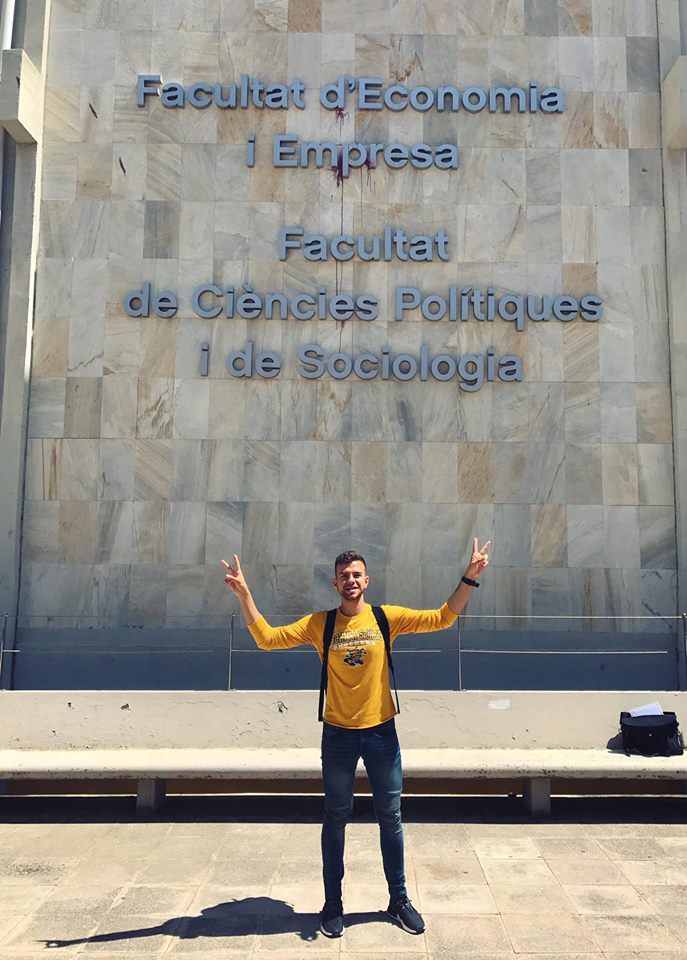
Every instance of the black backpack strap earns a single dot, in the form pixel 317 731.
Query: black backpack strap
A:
pixel 326 640
pixel 383 625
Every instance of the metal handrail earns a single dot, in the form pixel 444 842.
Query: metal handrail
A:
pixel 221 620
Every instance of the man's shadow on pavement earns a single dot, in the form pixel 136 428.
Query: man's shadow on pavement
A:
pixel 235 918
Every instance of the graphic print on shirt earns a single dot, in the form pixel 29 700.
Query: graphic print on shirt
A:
pixel 355 657
pixel 354 643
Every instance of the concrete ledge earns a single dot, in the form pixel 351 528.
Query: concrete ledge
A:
pixel 152 768
pixel 304 763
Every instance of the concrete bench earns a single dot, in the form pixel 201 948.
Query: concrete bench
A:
pixel 152 738
pixel 152 768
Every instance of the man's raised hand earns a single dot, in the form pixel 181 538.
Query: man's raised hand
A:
pixel 479 560
pixel 234 578
pixel 236 582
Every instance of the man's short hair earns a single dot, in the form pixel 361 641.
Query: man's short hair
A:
pixel 348 556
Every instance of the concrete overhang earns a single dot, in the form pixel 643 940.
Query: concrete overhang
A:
pixel 21 97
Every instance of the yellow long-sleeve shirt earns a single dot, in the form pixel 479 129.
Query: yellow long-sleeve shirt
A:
pixel 358 692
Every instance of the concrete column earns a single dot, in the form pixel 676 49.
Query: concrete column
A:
pixel 16 321
pixel 22 106
pixel 672 30
pixel 149 796
pixel 536 795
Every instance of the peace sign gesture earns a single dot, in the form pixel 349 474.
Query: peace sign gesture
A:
pixel 480 559
pixel 234 578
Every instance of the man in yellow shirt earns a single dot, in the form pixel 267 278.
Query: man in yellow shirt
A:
pixel 359 715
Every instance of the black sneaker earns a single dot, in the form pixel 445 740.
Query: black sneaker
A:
pixel 331 918
pixel 404 913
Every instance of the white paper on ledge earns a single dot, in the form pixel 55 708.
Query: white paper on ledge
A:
pixel 647 710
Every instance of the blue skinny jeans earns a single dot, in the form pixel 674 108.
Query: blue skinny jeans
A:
pixel 381 754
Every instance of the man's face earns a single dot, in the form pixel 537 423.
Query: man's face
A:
pixel 351 580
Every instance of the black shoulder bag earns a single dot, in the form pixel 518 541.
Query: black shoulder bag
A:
pixel 651 736
pixel 383 625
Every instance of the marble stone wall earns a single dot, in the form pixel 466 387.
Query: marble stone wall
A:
pixel 141 474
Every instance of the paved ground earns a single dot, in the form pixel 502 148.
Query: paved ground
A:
pixel 235 877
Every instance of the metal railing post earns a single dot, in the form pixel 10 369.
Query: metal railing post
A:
pixel 231 649
pixel 460 659
pixel 3 638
